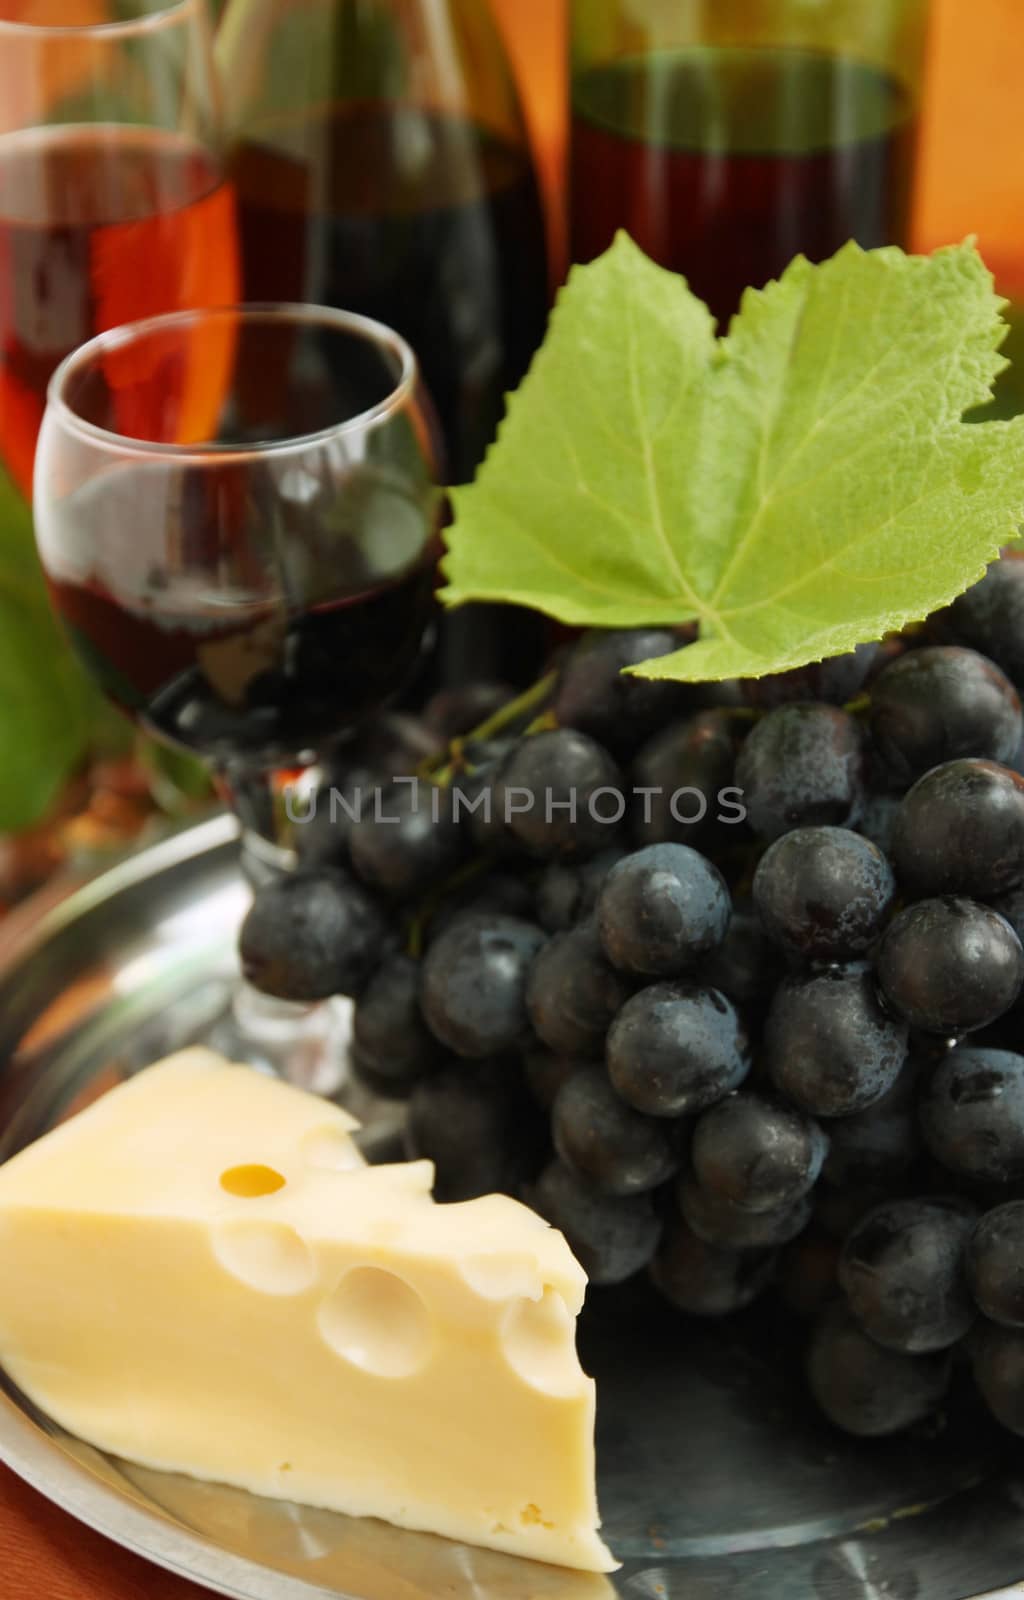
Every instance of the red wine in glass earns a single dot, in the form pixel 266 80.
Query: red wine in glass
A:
pixel 100 224
pixel 725 162
pixel 255 679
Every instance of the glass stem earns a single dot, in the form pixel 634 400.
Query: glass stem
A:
pixel 262 800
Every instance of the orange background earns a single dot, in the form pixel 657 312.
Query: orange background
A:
pixel 972 172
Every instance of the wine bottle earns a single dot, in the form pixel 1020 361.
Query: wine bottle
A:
pixel 381 166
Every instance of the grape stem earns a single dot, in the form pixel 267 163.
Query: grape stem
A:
pixel 514 712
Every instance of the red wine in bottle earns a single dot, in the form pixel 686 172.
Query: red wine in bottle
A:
pixel 432 224
pixel 99 225
pixel 420 219
pixel 725 162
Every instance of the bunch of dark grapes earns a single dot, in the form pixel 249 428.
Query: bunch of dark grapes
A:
pixel 724 980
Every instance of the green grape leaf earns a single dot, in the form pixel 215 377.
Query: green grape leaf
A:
pixel 47 705
pixel 799 487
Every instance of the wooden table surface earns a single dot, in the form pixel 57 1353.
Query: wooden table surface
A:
pixel 47 1555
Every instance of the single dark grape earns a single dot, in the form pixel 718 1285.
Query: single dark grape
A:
pixel 836 680
pixel 391 1043
pixel 997 1361
pixel 903 1270
pixel 824 894
pixel 312 934
pixel 729 1228
pixel 406 838
pixel 568 890
pixel 995 1264
pixel 454 713
pixel 801 765
pixel 829 1046
pixel 990 616
pixel 705 1281
pixel 675 1048
pixel 661 909
pixel 545 1073
pixel 972 1115
pixel 597 697
pixel 939 704
pixel 746 966
pixel 756 1154
pixel 605 1141
pixel 473 988
pixel 950 965
pixel 880 1145
pixel 479 1126
pixel 960 830
pixel 560 794
pixel 612 1236
pixel 865 1389
pixel 679 779
pixel 573 994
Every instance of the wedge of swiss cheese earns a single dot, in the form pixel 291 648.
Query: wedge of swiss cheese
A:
pixel 201 1274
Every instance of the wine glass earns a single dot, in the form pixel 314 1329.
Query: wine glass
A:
pixel 239 523
pixel 113 200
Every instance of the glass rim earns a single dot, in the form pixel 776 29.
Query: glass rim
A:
pixel 366 328
pixel 117 28
pixel 163 16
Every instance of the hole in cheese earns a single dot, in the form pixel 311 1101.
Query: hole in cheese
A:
pixel 539 1344
pixel 377 1322
pixel 268 1256
pixel 251 1181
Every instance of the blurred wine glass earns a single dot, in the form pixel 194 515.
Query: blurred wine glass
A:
pixel 113 199
pixel 238 519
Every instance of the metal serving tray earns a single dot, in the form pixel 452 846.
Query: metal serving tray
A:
pixel 717 1482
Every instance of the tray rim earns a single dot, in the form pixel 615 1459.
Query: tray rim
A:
pixel 40 917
